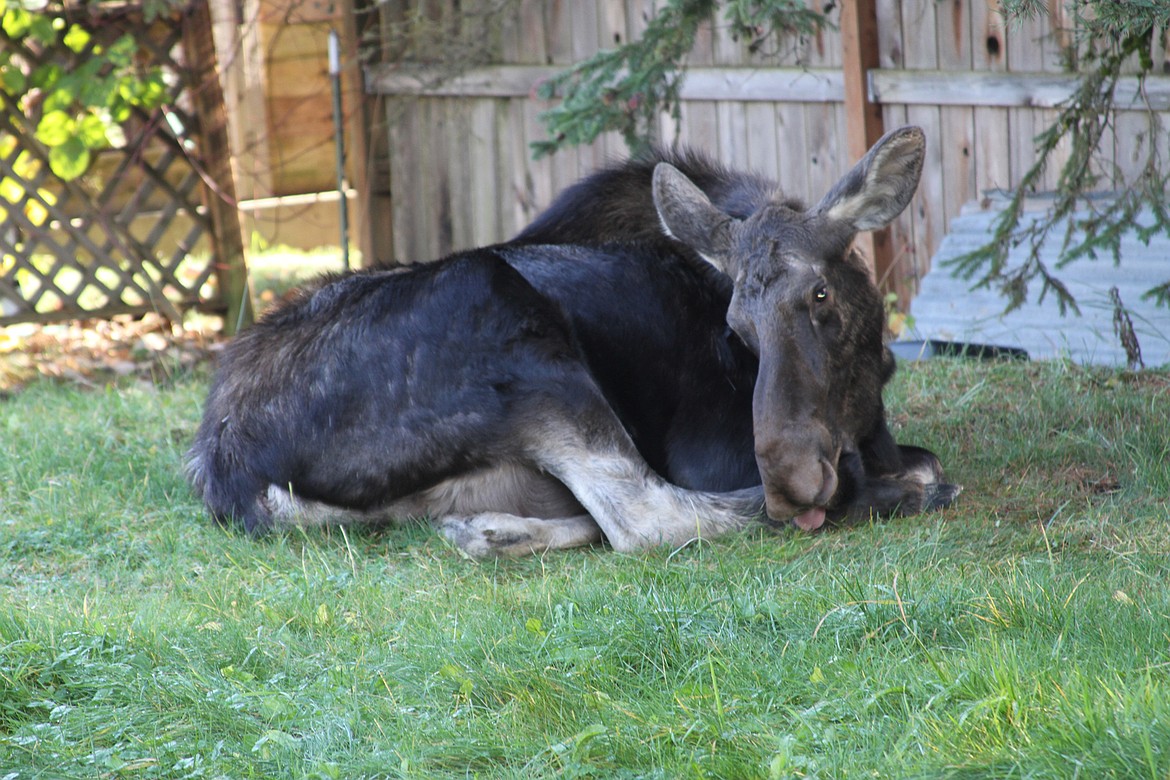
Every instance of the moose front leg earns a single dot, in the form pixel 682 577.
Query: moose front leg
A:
pixel 919 486
pixel 577 438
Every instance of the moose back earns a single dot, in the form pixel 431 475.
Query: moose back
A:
pixel 671 350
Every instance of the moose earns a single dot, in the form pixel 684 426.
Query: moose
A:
pixel 671 350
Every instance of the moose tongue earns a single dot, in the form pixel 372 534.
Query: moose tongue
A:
pixel 811 520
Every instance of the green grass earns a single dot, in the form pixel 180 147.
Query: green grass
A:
pixel 1024 633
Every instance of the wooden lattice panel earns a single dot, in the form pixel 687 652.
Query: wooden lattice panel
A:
pixel 133 234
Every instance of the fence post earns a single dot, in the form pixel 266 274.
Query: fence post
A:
pixel 215 152
pixel 863 119
pixel 360 170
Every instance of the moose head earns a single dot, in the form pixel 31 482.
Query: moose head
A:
pixel 805 304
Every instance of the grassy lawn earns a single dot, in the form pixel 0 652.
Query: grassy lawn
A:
pixel 1023 633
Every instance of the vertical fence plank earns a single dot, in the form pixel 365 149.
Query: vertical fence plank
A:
pixel 923 52
pixel 990 126
pixel 482 179
pixel 540 177
pixel 215 149
pixel 402 208
pixel 792 150
pixel 761 147
pixel 430 180
pixel 864 123
pixel 1024 55
pixel 725 49
pixel 955 53
pixel 700 125
pixel 357 137
pixel 904 248
pixel 902 232
pixel 704 51
pixel 456 193
pixel 238 54
pixel 611 33
pixel 732 128
pixel 558 31
pixel 503 163
pixel 827 155
pixel 584 22
pixel 638 15
pixel 861 50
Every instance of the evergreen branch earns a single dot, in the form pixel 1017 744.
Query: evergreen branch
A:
pixel 626 89
pixel 1108 40
pixel 1159 295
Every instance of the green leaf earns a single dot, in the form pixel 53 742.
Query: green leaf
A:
pixel 92 130
pixel 58 99
pixel 13 80
pixel 70 159
pixel 46 76
pixel 76 39
pixel 41 30
pixel 55 128
pixel 27 166
pixel 120 110
pixel 456 675
pixel 154 90
pixel 16 22
pixel 101 93
pixel 121 52
pixel 87 83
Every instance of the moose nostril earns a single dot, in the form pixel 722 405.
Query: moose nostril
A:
pixel 828 483
pixel 797 470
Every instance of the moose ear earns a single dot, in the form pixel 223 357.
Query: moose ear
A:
pixel 687 214
pixel 880 186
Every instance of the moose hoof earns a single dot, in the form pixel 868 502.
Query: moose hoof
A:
pixel 488 535
pixel 939 495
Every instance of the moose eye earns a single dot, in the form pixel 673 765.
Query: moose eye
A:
pixel 821 295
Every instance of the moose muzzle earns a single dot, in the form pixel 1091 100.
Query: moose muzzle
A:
pixel 799 476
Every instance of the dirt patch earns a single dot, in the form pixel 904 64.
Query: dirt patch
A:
pixel 1089 481
pixel 92 353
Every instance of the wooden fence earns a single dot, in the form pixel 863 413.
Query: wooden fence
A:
pixel 462 174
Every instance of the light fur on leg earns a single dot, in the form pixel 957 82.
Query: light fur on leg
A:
pixel 499 534
pixel 634 507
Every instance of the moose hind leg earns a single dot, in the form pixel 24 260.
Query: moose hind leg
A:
pixel 505 510
pixel 491 534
